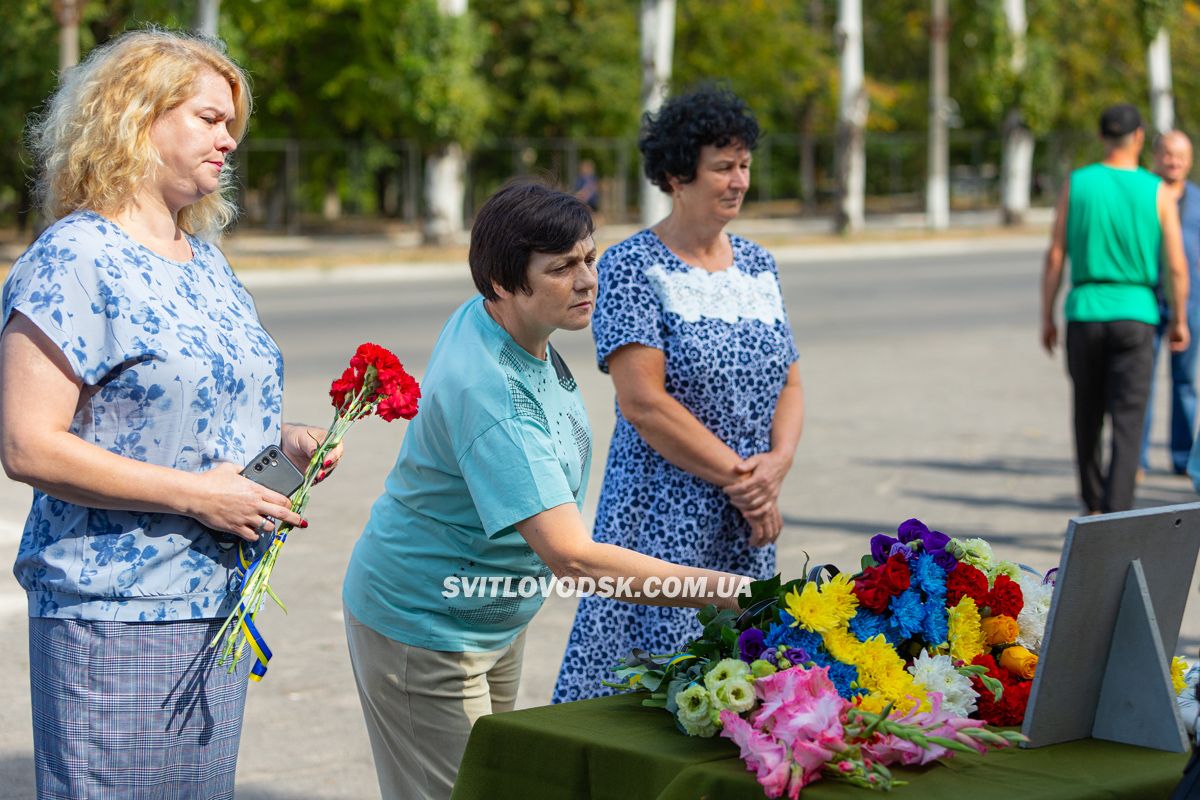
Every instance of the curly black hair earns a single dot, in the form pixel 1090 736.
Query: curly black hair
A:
pixel 671 139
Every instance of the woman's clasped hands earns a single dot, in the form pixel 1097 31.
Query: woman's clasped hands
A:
pixel 755 492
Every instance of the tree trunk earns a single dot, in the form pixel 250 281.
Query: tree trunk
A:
pixel 937 189
pixel 1017 179
pixel 808 157
pixel 658 44
pixel 852 117
pixel 444 173
pixel 207 12
pixel 68 13
pixel 1158 69
pixel 1016 175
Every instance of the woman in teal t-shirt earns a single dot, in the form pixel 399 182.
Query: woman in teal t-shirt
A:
pixel 482 508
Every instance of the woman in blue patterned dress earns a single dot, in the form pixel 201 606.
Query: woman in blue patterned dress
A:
pixel 690 324
pixel 135 383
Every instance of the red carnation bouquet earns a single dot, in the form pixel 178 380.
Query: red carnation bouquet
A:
pixel 374 383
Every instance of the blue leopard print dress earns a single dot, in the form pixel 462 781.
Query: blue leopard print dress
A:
pixel 728 348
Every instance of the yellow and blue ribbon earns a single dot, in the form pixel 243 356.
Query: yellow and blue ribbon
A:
pixel 254 639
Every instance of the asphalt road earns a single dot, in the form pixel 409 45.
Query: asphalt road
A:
pixel 927 395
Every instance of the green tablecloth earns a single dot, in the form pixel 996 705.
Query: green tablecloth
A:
pixel 615 748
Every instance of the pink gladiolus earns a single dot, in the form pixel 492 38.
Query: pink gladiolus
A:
pixel 891 749
pixel 810 757
pixel 810 719
pixel 764 754
pixel 787 688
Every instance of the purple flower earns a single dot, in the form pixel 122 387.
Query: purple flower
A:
pixel 945 559
pixel 911 530
pixel 750 644
pixel 932 542
pixel 881 547
pixel 797 655
pixel 935 540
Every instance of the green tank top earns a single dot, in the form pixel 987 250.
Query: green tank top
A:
pixel 1113 243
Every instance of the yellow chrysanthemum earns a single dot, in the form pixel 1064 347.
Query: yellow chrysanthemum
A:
pixel 966 638
pixel 873 703
pixel 825 608
pixel 1178 667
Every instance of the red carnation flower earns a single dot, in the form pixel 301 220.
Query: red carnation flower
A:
pixel 379 381
pixel 895 576
pixel 870 592
pixel 966 581
pixel 1009 710
pixel 1005 597
pixel 401 396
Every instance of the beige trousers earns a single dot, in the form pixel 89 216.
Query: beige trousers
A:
pixel 420 705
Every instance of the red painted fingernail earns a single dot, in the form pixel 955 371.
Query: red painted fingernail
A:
pixel 321 475
pixel 303 523
pixel 328 463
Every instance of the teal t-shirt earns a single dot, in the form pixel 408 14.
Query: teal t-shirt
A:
pixel 501 436
pixel 1113 243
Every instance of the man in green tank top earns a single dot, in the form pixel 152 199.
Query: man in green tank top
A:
pixel 1113 220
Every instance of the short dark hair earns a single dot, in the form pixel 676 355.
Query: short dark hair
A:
pixel 524 217
pixel 1119 121
pixel 671 139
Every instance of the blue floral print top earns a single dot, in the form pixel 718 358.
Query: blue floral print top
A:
pixel 176 371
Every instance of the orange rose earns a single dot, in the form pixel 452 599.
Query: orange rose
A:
pixel 999 629
pixel 1019 661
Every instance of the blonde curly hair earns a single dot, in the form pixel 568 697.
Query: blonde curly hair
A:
pixel 92 143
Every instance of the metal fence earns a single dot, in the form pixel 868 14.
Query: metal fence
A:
pixel 303 185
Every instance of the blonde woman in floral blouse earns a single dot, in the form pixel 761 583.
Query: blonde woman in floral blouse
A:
pixel 135 383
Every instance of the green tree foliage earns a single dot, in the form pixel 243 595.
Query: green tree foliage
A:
pixel 558 68
pixel 359 69
pixel 1155 14
pixel 373 71
pixel 29 52
pixel 986 83
pixel 896 60
pixel 778 56
pixel 1185 55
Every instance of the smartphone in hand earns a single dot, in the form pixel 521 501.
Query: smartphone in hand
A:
pixel 272 469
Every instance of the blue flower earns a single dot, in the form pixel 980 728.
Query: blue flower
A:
pixel 842 675
pixel 936 626
pixel 866 624
pixel 111 304
pixel 928 575
pixel 908 613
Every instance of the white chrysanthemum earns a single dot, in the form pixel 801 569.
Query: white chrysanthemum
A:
pixel 937 674
pixel 1031 622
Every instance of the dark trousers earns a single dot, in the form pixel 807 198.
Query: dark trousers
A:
pixel 1111 364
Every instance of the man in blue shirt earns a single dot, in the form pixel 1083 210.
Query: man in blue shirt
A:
pixel 1173 163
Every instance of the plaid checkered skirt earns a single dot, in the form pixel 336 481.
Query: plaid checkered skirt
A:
pixel 133 710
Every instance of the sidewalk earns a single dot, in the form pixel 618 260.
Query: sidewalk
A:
pixel 259 250
pixel 401 253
